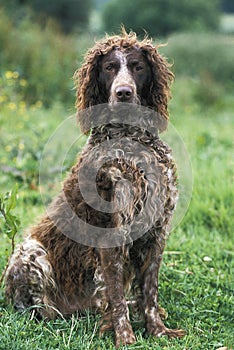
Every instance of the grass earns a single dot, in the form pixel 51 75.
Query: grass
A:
pixel 196 281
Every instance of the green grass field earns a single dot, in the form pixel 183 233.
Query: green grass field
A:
pixel 197 275
pixel 196 282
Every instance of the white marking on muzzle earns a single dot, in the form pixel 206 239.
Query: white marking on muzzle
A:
pixel 123 78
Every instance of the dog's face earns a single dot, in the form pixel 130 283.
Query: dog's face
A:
pixel 122 69
pixel 124 76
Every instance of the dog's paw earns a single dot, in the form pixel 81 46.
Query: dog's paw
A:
pixel 124 337
pixel 171 333
pixel 160 330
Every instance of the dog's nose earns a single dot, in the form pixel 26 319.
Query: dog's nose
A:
pixel 124 93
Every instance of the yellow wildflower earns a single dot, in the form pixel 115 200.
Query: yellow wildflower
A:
pixel 3 99
pixel 15 75
pixel 12 106
pixel 21 146
pixel 9 74
pixel 23 82
pixel 22 105
pixel 8 148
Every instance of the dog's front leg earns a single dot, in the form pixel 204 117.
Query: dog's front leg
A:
pixel 154 324
pixel 112 267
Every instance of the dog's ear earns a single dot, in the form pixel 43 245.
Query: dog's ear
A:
pixel 160 84
pixel 86 80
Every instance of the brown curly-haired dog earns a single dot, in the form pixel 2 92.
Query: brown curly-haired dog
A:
pixel 63 267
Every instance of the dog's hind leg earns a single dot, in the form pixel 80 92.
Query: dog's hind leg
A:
pixel 29 279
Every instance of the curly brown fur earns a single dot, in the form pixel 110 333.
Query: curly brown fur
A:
pixel 54 273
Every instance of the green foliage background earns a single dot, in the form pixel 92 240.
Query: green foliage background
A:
pixel 162 17
pixel 37 63
pixel 69 14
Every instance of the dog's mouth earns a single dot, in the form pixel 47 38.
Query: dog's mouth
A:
pixel 116 103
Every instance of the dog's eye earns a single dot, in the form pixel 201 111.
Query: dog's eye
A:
pixel 109 67
pixel 138 68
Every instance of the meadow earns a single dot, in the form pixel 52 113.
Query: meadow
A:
pixel 196 281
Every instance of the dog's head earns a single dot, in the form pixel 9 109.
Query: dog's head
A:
pixel 123 69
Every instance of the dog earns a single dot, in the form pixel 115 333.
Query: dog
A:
pixel 102 238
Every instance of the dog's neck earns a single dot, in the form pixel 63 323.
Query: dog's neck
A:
pixel 124 119
pixel 120 131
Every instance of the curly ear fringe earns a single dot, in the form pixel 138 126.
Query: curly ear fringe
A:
pixel 86 78
pixel 159 95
